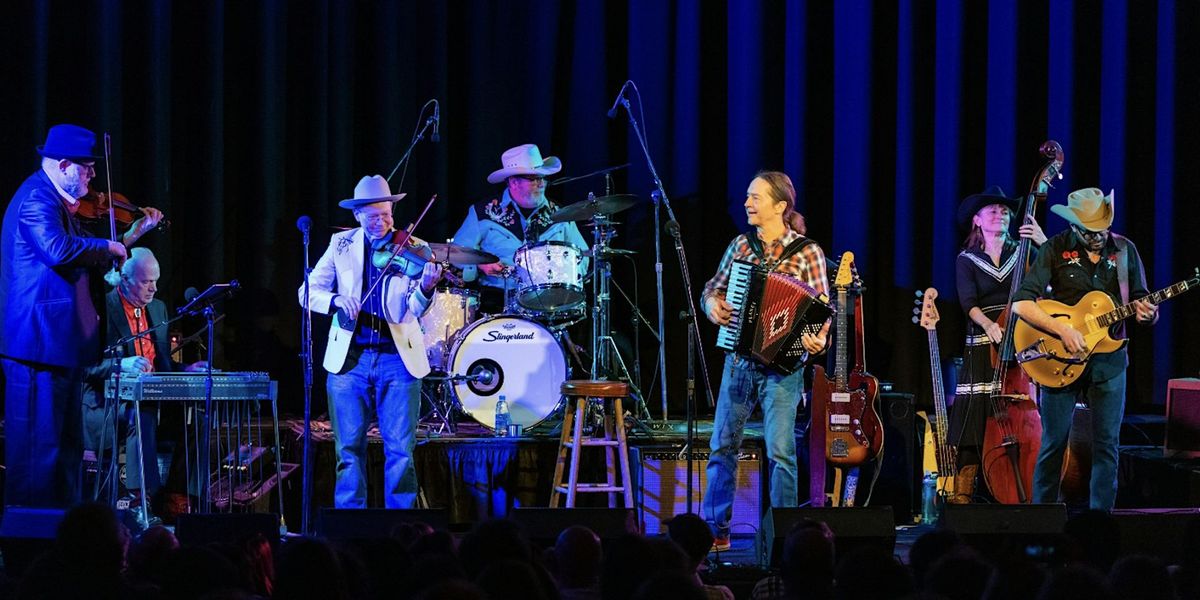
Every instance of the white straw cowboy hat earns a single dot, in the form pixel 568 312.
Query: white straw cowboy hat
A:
pixel 1088 208
pixel 369 191
pixel 525 159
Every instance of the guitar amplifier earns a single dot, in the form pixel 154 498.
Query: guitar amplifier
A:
pixel 1183 417
pixel 662 485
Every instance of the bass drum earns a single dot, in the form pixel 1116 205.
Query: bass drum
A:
pixel 510 356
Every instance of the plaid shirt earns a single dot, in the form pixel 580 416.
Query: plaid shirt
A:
pixel 807 265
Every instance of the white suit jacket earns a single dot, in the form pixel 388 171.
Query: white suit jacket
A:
pixel 340 272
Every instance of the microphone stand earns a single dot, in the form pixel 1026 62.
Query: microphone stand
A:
pixel 413 144
pixel 656 196
pixel 691 407
pixel 306 359
pixel 207 298
pixel 672 228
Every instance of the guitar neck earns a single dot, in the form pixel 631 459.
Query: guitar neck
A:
pixel 944 457
pixel 840 379
pixel 1124 312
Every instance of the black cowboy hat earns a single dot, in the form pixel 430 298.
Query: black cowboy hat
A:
pixel 971 205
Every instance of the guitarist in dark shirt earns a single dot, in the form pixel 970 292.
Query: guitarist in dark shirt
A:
pixel 1082 259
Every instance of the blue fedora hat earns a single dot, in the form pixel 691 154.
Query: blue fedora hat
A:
pixel 69 142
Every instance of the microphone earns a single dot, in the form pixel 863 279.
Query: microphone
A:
pixel 612 112
pixel 304 223
pixel 190 294
pixel 437 120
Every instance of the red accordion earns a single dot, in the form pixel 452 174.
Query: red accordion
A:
pixel 770 312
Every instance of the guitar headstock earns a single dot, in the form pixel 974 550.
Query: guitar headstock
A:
pixel 927 315
pixel 845 271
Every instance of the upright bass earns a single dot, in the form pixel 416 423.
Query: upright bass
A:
pixel 1013 431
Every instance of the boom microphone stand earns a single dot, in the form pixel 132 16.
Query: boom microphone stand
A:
pixel 672 228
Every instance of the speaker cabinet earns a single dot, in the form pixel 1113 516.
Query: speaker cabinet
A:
pixel 899 481
pixel 543 525
pixel 370 523
pixel 853 527
pixel 1159 532
pixel 662 485
pixel 993 529
pixel 1183 417
pixel 25 533
pixel 198 529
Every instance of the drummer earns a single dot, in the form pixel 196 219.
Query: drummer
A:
pixel 520 216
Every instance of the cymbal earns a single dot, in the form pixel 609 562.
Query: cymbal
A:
pixel 461 255
pixel 586 209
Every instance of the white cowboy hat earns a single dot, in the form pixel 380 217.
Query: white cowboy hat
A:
pixel 525 159
pixel 369 191
pixel 1088 208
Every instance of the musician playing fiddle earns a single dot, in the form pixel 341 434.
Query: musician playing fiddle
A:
pixel 984 275
pixel 50 325
pixel 778 244
pixel 378 367
pixel 1085 257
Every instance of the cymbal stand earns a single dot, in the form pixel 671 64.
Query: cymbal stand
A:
pixel 604 348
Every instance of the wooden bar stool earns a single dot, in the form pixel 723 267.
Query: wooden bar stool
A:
pixel 572 441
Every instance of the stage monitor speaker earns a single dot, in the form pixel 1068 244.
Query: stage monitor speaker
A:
pixel 853 528
pixel 543 525
pixel 1159 532
pixel 899 481
pixel 995 528
pixel 662 485
pixel 370 523
pixel 1183 417
pixel 201 529
pixel 26 533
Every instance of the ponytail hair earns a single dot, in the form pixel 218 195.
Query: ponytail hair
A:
pixel 782 190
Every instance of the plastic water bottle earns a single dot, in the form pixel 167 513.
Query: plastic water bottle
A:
pixel 502 419
pixel 929 512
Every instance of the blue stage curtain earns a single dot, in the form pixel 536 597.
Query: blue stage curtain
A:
pixel 237 117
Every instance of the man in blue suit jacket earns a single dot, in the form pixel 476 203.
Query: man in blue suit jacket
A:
pixel 50 327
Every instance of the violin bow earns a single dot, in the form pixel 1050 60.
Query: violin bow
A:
pixel 113 277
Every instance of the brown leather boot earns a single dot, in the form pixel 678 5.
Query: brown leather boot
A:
pixel 964 485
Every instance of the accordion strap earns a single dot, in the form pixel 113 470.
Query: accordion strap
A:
pixel 797 245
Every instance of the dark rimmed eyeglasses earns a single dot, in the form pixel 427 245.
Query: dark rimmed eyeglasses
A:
pixel 531 178
pixel 1089 234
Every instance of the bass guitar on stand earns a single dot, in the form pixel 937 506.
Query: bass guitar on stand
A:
pixel 927 317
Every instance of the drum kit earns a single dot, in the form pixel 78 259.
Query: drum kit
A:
pixel 521 353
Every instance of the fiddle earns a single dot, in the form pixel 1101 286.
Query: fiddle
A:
pixel 408 261
pixel 96 205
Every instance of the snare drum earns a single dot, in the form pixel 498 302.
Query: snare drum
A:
pixel 510 356
pixel 450 310
pixel 549 277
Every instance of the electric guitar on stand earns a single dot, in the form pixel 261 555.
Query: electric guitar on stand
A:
pixel 853 430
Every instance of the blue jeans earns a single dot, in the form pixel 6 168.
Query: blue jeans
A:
pixel 1107 400
pixel 43 427
pixel 378 384
pixel 744 384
